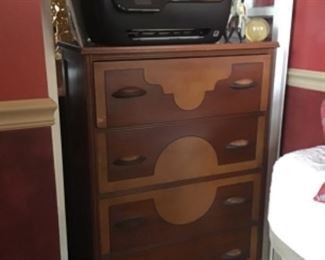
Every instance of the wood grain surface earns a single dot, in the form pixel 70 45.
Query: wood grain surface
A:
pixel 153 218
pixel 180 89
pixel 179 151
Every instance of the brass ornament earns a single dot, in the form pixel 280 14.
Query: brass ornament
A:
pixel 61 22
pixel 62 29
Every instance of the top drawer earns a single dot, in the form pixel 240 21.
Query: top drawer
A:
pixel 148 91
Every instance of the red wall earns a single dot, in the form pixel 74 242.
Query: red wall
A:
pixel 27 196
pixel 302 119
pixel 308 35
pixel 302 126
pixel 22 68
pixel 28 212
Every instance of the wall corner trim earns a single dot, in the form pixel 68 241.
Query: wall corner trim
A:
pixel 27 113
pixel 307 79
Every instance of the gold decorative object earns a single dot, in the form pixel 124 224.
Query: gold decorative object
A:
pixel 61 22
pixel 257 30
pixel 62 33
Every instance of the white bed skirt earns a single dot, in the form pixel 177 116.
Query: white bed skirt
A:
pixel 294 217
pixel 280 251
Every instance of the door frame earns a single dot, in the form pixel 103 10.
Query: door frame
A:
pixel 49 53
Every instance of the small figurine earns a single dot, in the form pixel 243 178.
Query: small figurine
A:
pixel 237 19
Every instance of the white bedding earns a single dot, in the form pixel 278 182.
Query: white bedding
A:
pixel 294 216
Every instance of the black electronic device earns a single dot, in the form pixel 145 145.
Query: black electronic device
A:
pixel 143 22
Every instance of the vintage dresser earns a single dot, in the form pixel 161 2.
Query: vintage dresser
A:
pixel 165 150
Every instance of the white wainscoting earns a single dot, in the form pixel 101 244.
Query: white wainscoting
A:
pixel 27 113
pixel 307 79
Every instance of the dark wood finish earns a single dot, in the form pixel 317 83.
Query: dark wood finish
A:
pixel 138 224
pixel 148 143
pixel 176 213
pixel 75 134
pixel 164 51
pixel 242 83
pixel 130 114
pixel 229 245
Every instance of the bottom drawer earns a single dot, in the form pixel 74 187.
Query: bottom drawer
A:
pixel 224 246
pixel 185 219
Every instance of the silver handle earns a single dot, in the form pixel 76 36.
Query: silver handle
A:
pixel 232 254
pixel 238 144
pixel 234 201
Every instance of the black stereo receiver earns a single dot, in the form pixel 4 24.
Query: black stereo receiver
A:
pixel 141 22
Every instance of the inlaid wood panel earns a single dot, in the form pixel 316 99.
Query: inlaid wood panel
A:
pixel 149 91
pixel 138 157
pixel 170 216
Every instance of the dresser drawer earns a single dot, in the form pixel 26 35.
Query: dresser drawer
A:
pixel 233 245
pixel 174 215
pixel 140 92
pixel 138 157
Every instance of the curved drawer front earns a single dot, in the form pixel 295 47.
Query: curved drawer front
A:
pixel 177 216
pixel 140 92
pixel 140 157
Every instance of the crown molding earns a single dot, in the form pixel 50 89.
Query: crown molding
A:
pixel 27 113
pixel 307 79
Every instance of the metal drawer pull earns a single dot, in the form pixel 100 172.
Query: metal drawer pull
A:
pixel 130 160
pixel 130 223
pixel 233 201
pixel 243 84
pixel 237 144
pixel 129 92
pixel 233 254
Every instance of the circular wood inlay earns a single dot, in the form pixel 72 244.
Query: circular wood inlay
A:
pixel 186 157
pixel 185 205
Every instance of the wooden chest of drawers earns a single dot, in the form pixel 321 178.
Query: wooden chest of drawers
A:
pixel 165 151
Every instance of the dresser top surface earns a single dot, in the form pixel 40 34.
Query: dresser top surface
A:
pixel 165 49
